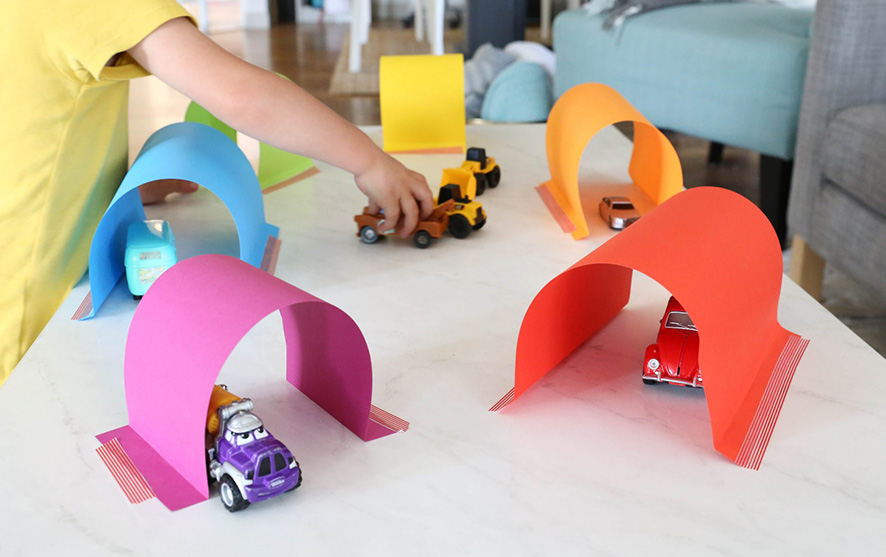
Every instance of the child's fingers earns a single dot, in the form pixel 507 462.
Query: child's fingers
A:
pixel 392 216
pixel 410 215
pixel 156 192
pixel 422 194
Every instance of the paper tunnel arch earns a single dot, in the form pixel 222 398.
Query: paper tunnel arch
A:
pixel 577 116
pixel 719 256
pixel 183 151
pixel 182 333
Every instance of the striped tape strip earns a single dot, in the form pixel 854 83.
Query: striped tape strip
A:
pixel 269 259
pixel 505 400
pixel 124 471
pixel 556 211
pixel 387 419
pixel 85 307
pixel 757 439
pixel 297 178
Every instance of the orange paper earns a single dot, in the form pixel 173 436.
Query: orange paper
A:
pixel 577 116
pixel 719 256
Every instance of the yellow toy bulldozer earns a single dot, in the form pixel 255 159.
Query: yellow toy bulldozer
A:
pixel 485 170
pixel 460 184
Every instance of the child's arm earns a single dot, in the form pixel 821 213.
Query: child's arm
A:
pixel 265 106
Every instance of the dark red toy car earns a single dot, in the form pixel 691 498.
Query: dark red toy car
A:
pixel 674 357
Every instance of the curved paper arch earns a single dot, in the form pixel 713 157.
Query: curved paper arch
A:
pixel 276 168
pixel 183 151
pixel 577 116
pixel 718 255
pixel 182 333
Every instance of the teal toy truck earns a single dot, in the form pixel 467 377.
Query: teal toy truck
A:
pixel 150 250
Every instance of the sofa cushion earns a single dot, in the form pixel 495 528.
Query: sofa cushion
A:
pixel 854 152
pixel 727 72
pixel 520 93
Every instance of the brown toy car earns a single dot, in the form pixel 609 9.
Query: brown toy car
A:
pixel 432 227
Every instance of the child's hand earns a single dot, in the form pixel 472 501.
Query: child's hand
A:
pixel 156 192
pixel 402 194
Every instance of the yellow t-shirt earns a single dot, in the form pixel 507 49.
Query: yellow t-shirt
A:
pixel 63 145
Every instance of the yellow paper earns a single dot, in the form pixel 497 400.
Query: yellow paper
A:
pixel 422 103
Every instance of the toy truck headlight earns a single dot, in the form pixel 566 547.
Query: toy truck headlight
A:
pixel 653 364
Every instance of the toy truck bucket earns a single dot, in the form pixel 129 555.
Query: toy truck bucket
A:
pixel 462 178
pixel 242 405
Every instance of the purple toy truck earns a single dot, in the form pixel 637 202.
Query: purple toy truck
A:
pixel 249 464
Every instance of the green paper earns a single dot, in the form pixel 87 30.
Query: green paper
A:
pixel 275 166
pixel 197 113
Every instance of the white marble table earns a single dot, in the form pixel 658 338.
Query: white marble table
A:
pixel 589 461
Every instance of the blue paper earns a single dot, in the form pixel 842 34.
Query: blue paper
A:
pixel 184 151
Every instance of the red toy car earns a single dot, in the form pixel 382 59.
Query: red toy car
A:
pixel 674 357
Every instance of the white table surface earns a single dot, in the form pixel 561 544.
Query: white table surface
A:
pixel 589 461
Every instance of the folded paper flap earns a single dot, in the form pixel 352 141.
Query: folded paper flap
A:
pixel 758 428
pixel 168 485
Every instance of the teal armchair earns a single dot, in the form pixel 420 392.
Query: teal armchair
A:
pixel 730 73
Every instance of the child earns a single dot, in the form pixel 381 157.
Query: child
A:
pixel 63 136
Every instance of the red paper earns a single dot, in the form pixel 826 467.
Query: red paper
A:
pixel 719 256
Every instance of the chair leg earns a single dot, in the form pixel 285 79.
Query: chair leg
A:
pixel 807 267
pixel 715 153
pixel 775 187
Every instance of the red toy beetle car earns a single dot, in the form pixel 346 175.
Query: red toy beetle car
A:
pixel 674 357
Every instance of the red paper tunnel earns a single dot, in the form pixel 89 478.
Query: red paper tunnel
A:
pixel 719 256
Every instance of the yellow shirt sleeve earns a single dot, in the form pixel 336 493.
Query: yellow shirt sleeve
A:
pixel 63 133
pixel 88 33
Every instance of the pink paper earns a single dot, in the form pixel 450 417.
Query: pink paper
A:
pixel 181 335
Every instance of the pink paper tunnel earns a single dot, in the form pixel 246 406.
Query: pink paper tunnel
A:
pixel 719 256
pixel 181 335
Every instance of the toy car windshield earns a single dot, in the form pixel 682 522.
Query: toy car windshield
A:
pixel 679 320
pixel 623 205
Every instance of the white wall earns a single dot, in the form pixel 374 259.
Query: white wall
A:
pixel 255 14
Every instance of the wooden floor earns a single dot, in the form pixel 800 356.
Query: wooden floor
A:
pixel 307 54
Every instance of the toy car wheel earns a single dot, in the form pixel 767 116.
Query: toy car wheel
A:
pixel 479 224
pixel 422 239
pixel 230 494
pixel 459 226
pixel 494 177
pixel 647 381
pixel 481 182
pixel 301 476
pixel 368 235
